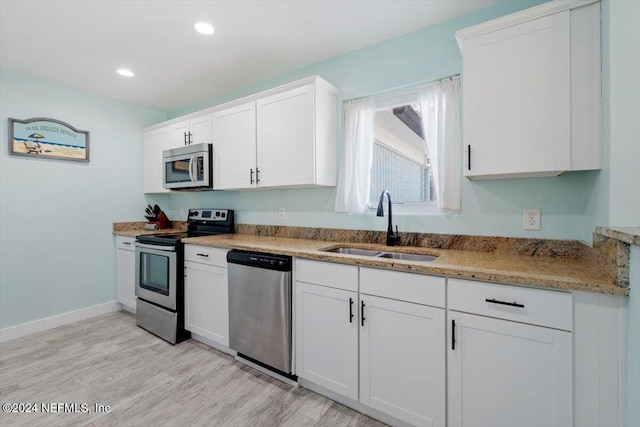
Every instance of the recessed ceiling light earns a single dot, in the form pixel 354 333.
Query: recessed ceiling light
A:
pixel 125 72
pixel 204 28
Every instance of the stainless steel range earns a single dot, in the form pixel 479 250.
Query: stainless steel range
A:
pixel 160 275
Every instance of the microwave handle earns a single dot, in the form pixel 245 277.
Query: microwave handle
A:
pixel 191 174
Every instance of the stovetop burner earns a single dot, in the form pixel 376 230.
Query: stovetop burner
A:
pixel 201 222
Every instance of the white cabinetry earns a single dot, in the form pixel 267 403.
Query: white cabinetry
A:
pixel 506 373
pixel 283 138
pixel 206 293
pixel 327 325
pixel 402 354
pixel 531 92
pixel 154 142
pixel 289 150
pixel 196 130
pixel 125 272
pixel 234 151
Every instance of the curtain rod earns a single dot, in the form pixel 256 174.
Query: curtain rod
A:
pixel 403 87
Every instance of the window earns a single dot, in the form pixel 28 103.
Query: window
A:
pixel 400 157
pixel 387 148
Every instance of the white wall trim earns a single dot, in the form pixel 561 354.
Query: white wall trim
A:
pixel 47 323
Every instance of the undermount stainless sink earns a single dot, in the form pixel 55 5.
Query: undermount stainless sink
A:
pixel 407 257
pixel 354 251
pixel 403 256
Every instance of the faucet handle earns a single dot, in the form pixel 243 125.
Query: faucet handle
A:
pixel 396 237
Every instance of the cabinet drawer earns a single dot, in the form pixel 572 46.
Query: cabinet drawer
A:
pixel 535 306
pixel 338 276
pixel 410 287
pixel 206 255
pixel 126 243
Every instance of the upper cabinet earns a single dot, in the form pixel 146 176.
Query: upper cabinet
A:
pixel 154 142
pixel 234 152
pixel 283 137
pixel 531 95
pixel 196 130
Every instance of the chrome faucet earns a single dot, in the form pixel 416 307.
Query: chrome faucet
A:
pixel 392 239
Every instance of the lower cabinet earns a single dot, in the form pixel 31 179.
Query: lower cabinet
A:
pixel 206 310
pixel 502 372
pixel 374 348
pixel 125 272
pixel 402 360
pixel 505 374
pixel 327 337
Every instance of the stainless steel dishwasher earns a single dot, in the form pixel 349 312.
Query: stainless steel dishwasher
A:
pixel 260 309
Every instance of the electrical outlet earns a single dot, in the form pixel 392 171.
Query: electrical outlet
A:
pixel 531 219
pixel 281 213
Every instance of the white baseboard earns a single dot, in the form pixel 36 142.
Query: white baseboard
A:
pixel 47 323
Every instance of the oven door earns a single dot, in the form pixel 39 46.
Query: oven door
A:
pixel 156 274
pixel 187 171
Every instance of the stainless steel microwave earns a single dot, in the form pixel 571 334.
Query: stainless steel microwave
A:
pixel 188 167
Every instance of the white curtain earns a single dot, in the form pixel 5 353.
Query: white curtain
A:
pixel 440 109
pixel 355 172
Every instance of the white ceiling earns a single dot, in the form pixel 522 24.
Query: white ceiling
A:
pixel 80 43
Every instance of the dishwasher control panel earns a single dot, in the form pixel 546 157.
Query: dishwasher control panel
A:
pixel 258 260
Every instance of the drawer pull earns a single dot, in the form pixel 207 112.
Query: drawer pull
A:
pixel 511 304
pixel 126 243
pixel 207 256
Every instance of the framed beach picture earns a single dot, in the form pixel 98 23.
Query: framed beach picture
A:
pixel 48 139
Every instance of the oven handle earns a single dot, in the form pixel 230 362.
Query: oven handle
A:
pixel 191 173
pixel 155 247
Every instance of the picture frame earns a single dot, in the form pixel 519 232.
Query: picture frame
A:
pixel 46 138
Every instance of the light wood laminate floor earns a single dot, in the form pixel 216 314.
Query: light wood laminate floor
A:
pixel 108 360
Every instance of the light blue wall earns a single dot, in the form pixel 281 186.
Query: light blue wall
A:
pixel 488 208
pixel 56 246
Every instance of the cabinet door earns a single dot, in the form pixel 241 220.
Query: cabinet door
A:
pixel 154 142
pixel 179 134
pixel 504 374
pixel 327 337
pixel 206 310
pixel 201 129
pixel 126 277
pixel 234 147
pixel 286 143
pixel 517 99
pixel 402 360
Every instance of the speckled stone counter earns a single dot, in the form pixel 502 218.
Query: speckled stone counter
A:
pixel 629 235
pixel 575 272
pixel 136 228
pixel 560 264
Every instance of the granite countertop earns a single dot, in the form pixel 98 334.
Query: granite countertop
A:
pixel 570 273
pixel 629 235
pixel 133 229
